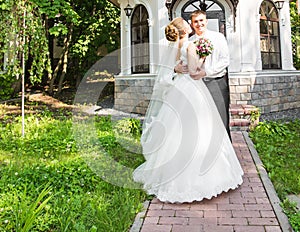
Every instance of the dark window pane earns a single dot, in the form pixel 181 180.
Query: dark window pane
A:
pixel 274 44
pixel 265 60
pixel 263 27
pixel 274 61
pixel 273 12
pixel 262 9
pixel 264 44
pixel 275 28
pixel 140 40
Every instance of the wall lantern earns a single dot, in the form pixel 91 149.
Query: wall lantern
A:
pixel 168 3
pixel 128 10
pixel 279 4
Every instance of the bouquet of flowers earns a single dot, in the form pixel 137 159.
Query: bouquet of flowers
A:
pixel 204 47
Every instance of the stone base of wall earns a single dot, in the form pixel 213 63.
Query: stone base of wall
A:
pixel 269 91
pixel 132 95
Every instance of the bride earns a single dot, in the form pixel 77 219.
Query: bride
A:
pixel 188 153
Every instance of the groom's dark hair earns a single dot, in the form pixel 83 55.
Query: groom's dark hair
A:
pixel 196 13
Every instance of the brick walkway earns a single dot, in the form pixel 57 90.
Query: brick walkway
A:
pixel 246 209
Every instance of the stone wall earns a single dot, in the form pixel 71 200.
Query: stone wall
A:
pixel 270 92
pixel 133 94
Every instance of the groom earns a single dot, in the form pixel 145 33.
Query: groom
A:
pixel 215 65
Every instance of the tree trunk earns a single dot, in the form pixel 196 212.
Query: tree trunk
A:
pixel 48 24
pixel 62 60
pixel 55 73
pixel 65 60
pixel 16 86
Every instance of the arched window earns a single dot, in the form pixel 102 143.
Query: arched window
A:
pixel 269 36
pixel 140 40
pixel 214 12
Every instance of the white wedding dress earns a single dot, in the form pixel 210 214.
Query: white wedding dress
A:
pixel 188 153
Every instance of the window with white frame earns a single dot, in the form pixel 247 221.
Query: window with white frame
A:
pixel 269 36
pixel 140 40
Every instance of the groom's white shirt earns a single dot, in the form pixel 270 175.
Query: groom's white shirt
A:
pixel 217 62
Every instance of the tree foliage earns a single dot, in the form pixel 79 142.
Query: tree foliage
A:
pixel 79 27
pixel 98 27
pixel 22 35
pixel 295 26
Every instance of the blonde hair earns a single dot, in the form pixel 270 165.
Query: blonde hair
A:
pixel 175 29
pixel 197 13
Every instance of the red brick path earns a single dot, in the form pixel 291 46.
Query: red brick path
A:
pixel 246 209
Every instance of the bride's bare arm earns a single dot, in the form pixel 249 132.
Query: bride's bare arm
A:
pixel 194 63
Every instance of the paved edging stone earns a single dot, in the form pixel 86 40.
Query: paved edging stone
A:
pixel 139 219
pixel 275 201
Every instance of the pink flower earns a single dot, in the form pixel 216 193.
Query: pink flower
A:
pixel 204 47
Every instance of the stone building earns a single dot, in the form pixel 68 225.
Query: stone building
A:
pixel 258 32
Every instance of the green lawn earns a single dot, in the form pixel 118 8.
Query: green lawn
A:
pixel 278 145
pixel 72 172
pixel 52 178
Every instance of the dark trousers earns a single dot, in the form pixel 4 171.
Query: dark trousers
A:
pixel 219 90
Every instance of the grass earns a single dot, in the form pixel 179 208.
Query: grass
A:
pixel 47 179
pixel 278 145
pixel 71 172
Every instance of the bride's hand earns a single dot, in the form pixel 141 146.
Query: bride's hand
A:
pixel 200 73
pixel 181 68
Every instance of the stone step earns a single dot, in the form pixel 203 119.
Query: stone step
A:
pixel 239 122
pixel 240 111
pixel 243 117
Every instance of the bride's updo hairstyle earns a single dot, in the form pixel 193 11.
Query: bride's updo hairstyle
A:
pixel 175 29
